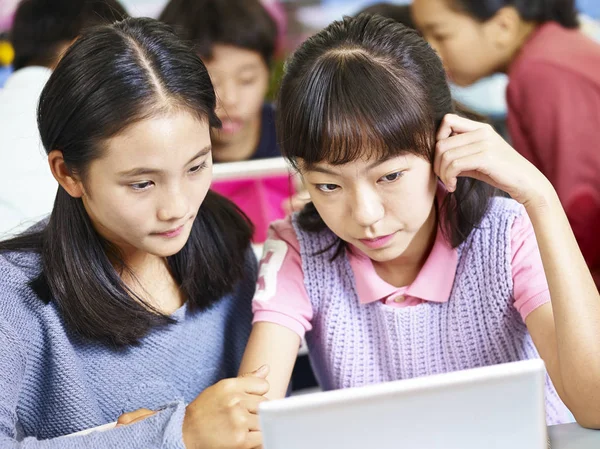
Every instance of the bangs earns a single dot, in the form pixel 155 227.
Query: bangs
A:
pixel 354 106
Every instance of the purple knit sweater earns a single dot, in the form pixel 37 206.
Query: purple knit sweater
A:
pixel 355 344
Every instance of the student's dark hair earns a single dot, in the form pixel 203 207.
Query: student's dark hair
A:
pixel 540 11
pixel 240 23
pixel 112 77
pixel 400 13
pixel 41 27
pixel 369 86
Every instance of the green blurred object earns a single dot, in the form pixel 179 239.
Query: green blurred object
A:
pixel 276 75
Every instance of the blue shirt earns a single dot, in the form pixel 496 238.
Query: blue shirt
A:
pixel 267 146
pixel 53 382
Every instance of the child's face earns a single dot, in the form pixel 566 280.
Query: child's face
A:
pixel 469 49
pixel 150 180
pixel 385 209
pixel 241 80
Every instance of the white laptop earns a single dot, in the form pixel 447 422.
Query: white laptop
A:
pixel 500 407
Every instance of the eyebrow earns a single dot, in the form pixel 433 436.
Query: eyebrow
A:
pixel 369 167
pixel 152 171
pixel 249 66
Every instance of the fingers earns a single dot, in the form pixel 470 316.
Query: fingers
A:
pixel 254 440
pixel 253 423
pixel 135 416
pixel 247 384
pixel 454 124
pixel 472 165
pixel 252 403
pixel 445 157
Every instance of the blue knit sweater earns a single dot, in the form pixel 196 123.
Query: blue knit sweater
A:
pixel 53 382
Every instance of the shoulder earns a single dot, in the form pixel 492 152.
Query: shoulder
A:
pixel 21 309
pixel 500 215
pixel 504 206
pixel 556 59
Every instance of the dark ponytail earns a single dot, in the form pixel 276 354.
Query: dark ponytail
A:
pixel 540 11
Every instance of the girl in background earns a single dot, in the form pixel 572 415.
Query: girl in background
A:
pixel 553 93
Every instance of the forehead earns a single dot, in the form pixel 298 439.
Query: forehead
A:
pixel 159 141
pixel 230 59
pixel 363 165
pixel 435 13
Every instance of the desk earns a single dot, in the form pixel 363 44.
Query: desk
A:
pixel 572 436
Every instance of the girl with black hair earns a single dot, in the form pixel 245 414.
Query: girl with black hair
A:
pixel 405 264
pixel 136 292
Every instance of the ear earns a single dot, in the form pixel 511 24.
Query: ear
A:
pixel 504 26
pixel 68 181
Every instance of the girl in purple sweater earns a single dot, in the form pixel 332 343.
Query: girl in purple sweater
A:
pixel 405 263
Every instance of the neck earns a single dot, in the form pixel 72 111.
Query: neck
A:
pixel 525 32
pixel 149 277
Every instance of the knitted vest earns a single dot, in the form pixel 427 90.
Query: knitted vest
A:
pixel 354 344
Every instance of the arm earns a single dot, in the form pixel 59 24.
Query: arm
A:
pixel 276 346
pixel 567 331
pixel 282 310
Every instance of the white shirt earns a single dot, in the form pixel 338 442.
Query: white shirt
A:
pixel 27 187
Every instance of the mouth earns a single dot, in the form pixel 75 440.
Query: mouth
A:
pixel 170 233
pixel 231 126
pixel 377 242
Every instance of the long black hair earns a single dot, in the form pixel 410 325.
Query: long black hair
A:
pixel 369 86
pixel 111 78
pixel 540 11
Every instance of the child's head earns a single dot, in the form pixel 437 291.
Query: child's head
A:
pixel 236 39
pixel 126 120
pixel 43 29
pixel 358 111
pixel 477 38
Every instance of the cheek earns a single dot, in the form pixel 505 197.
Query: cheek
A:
pixel 254 97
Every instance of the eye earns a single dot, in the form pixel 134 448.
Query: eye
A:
pixel 139 186
pixel 392 177
pixel 197 168
pixel 248 81
pixel 326 188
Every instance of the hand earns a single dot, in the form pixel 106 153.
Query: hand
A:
pixel 135 416
pixel 473 149
pixel 225 416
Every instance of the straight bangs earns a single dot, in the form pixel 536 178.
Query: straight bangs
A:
pixel 354 106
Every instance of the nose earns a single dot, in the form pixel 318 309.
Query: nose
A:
pixel 367 208
pixel 173 204
pixel 228 94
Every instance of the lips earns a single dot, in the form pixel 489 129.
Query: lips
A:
pixel 171 233
pixel 231 126
pixel 377 242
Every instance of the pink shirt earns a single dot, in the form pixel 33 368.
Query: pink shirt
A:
pixel 281 297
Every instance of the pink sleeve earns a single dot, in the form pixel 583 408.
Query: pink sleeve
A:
pixel 280 296
pixel 530 287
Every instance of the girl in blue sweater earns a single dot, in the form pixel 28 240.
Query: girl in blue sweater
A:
pixel 135 293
